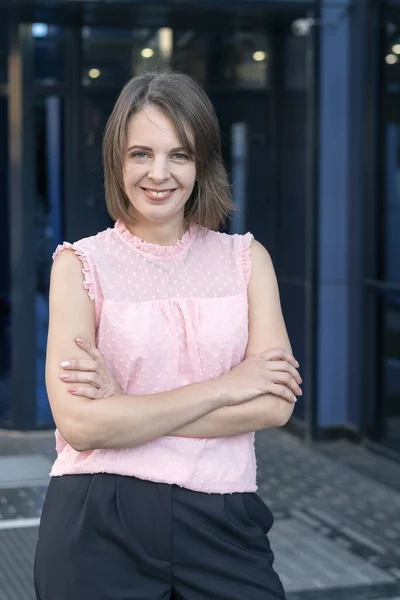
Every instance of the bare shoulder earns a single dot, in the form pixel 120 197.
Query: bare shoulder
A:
pixel 66 274
pixel 262 267
pixel 266 324
pixel 66 262
pixel 69 302
pixel 258 250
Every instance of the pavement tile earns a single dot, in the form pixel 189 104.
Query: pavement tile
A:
pixel 21 503
pixel 24 470
pixel 294 475
pixel 305 560
pixel 17 548
pixel 362 592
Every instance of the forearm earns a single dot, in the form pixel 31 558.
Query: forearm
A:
pixel 261 413
pixel 127 421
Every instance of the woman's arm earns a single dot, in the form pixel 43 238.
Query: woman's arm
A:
pixel 120 421
pixel 266 330
pixel 261 413
pixel 123 421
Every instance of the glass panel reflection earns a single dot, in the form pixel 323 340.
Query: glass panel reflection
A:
pixel 3 50
pixel 152 49
pixel 295 63
pixel 5 298
pixel 96 110
pixel 391 369
pixel 293 299
pixel 48 225
pixel 390 232
pixel 248 55
pixel 392 214
pixel 238 59
pixel 49 53
pixel 109 55
pixel 190 53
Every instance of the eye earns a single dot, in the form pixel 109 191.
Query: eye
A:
pixel 138 154
pixel 180 156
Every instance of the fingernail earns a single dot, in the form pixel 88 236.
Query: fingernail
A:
pixel 64 376
pixel 294 399
pixel 65 363
pixel 72 390
pixel 79 340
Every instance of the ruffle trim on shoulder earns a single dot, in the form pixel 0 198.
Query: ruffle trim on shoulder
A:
pixel 246 241
pixel 86 268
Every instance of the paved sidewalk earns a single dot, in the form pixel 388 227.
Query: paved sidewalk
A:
pixel 336 534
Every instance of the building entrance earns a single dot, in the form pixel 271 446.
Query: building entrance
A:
pixel 70 68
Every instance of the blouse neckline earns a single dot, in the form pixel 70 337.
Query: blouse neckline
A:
pixel 155 249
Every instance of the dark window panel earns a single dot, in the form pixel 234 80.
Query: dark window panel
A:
pixel 5 299
pixel 293 301
pixel 390 368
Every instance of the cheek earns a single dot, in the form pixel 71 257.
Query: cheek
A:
pixel 132 175
pixel 190 178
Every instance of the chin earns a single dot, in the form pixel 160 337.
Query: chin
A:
pixel 157 214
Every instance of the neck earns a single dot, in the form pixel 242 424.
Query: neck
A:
pixel 162 234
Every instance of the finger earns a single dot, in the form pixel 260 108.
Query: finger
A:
pixel 79 365
pixel 89 348
pixel 281 365
pixel 285 355
pixel 287 379
pixel 280 354
pixel 89 392
pixel 282 391
pixel 82 377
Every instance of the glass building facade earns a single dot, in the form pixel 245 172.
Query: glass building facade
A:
pixel 307 98
pixel 383 238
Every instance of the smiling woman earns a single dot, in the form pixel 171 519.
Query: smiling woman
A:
pixel 182 121
pixel 159 176
pixel 185 355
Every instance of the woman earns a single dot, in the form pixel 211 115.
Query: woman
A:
pixel 184 355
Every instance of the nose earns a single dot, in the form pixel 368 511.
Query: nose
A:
pixel 159 170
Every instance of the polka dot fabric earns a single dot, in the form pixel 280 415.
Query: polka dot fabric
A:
pixel 167 316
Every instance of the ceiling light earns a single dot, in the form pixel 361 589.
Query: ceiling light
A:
pixel 40 30
pixel 147 52
pixel 391 59
pixel 259 56
pixel 94 73
pixel 165 37
pixel 302 27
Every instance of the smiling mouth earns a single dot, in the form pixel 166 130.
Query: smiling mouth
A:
pixel 158 194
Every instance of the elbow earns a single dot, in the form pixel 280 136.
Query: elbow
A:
pixel 76 433
pixel 80 444
pixel 284 414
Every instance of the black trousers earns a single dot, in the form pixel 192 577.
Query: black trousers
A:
pixel 109 537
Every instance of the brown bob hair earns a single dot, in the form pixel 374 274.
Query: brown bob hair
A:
pixel 184 101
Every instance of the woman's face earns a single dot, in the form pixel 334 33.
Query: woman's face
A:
pixel 159 176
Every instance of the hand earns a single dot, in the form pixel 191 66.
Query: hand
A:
pixel 93 371
pixel 271 372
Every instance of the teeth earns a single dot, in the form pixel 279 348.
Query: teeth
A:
pixel 159 194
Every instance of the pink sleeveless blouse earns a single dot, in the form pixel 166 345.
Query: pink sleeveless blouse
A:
pixel 167 316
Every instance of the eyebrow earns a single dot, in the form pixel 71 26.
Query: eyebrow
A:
pixel 148 149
